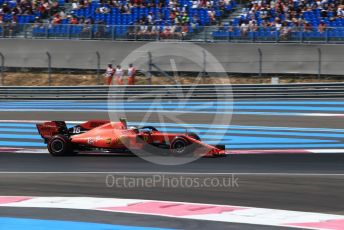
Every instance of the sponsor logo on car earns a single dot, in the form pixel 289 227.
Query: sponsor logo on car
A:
pixel 108 141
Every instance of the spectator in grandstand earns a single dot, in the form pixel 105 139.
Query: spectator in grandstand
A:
pixel 220 27
pixel 150 18
pixel 185 30
pixel 323 13
pixel 84 3
pixel 178 19
pixel 103 10
pixel 54 8
pixel 230 27
pixel 212 16
pixel 277 24
pixel 86 27
pixel 131 74
pixel 340 11
pixel 195 4
pixel 161 3
pixel 5 9
pixel 195 21
pixel 307 27
pixel 166 33
pixel 322 27
pixel 73 20
pixel 295 27
pixel 38 23
pixel 27 7
pixel 81 20
pixel 285 30
pixel 253 26
pixel 44 10
pixel 75 5
pixel 143 28
pixel 124 9
pixel 264 24
pixel 177 31
pixel 56 20
pixel 17 10
pixel 244 28
pixel 173 4
pixel 153 31
pixel 185 18
pixel 131 32
pixel 119 75
pixel 100 32
pixel 109 74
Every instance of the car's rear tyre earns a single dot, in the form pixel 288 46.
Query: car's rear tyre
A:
pixel 180 147
pixel 60 145
pixel 194 136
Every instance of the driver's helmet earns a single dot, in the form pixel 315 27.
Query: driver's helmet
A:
pixel 135 129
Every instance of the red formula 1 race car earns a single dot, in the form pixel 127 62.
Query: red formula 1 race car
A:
pixel 106 136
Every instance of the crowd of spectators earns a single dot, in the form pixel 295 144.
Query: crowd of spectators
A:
pixel 177 26
pixel 11 9
pixel 168 31
pixel 177 18
pixel 164 18
pixel 167 18
pixel 287 16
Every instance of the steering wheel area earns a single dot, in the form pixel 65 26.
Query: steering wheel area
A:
pixel 148 128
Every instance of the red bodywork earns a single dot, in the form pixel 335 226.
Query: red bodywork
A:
pixel 99 134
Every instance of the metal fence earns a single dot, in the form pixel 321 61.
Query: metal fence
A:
pixel 175 33
pixel 260 64
pixel 174 92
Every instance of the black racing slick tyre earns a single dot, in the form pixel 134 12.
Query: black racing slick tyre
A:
pixel 180 147
pixel 194 136
pixel 60 145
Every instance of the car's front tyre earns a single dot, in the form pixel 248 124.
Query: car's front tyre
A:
pixel 180 146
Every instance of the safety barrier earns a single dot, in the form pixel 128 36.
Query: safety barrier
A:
pixel 258 59
pixel 174 92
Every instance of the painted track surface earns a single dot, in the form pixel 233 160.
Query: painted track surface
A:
pixel 124 219
pixel 277 124
pixel 295 191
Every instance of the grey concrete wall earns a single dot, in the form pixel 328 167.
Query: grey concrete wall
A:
pixel 235 58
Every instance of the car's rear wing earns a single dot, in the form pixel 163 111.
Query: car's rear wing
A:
pixel 51 128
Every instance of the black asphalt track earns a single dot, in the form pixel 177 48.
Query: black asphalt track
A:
pixel 269 163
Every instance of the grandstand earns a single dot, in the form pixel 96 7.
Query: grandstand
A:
pixel 270 20
pixel 287 20
pixel 109 19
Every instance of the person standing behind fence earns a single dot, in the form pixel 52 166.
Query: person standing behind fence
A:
pixel 119 75
pixel 109 74
pixel 131 75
